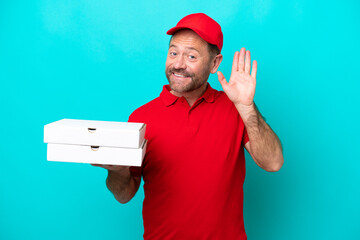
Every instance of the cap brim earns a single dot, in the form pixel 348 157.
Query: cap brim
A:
pixel 171 31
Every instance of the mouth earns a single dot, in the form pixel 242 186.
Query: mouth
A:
pixel 180 76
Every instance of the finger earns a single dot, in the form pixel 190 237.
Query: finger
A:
pixel 254 69
pixel 247 62
pixel 101 165
pixel 222 79
pixel 95 165
pixel 241 60
pixel 235 61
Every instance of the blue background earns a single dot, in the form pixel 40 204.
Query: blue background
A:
pixel 100 60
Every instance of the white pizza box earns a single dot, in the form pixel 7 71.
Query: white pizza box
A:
pixel 95 133
pixel 96 154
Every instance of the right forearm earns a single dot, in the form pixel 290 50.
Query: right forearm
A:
pixel 121 184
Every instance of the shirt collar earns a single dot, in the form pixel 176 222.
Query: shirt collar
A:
pixel 168 98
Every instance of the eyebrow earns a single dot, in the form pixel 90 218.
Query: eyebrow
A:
pixel 190 48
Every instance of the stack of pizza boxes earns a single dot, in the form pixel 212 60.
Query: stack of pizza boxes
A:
pixel 96 142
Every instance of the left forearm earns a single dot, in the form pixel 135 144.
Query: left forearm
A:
pixel 265 145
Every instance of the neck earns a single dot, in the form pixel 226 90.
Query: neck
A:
pixel 191 96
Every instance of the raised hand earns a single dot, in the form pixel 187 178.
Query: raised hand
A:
pixel 241 87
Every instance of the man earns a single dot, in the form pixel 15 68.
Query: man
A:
pixel 194 167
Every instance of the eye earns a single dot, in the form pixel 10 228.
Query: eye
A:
pixel 172 53
pixel 192 57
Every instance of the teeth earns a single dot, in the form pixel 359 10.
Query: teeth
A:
pixel 178 75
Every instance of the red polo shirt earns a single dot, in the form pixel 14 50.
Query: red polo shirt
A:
pixel 194 167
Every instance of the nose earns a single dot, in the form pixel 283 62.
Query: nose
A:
pixel 179 62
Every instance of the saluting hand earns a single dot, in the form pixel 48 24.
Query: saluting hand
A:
pixel 241 87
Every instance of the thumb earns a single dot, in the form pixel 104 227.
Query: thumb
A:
pixel 221 78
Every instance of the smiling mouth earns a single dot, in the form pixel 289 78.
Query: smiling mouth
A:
pixel 179 75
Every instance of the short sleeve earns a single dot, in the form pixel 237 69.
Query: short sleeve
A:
pixel 245 138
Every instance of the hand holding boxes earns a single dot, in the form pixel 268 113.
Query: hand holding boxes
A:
pixel 97 142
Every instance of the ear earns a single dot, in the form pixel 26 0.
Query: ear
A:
pixel 216 63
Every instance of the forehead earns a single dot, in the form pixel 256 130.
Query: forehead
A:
pixel 188 39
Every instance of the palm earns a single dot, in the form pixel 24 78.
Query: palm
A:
pixel 241 87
